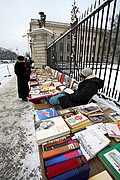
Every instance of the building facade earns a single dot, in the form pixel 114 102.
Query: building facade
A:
pixel 41 35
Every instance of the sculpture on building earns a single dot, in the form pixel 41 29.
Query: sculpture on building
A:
pixel 74 11
pixel 42 19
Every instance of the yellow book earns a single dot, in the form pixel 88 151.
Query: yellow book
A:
pixel 103 175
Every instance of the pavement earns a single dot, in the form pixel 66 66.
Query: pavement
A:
pixel 19 156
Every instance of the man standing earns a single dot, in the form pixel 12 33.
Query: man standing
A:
pixel 22 78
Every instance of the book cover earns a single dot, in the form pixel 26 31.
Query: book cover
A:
pixel 67 80
pixel 104 107
pixel 50 129
pixel 62 78
pixel 63 157
pixel 76 119
pixel 113 129
pixel 115 116
pixel 98 119
pixel 80 173
pixel 89 108
pixel 110 157
pixel 60 150
pixel 45 114
pixel 63 111
pixel 65 166
pixel 102 175
pixel 91 142
pixel 99 126
pixel 68 91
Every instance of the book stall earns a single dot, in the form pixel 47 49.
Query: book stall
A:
pixel 81 142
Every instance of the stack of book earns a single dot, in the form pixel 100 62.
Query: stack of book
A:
pixel 63 159
pixel 51 128
pixel 77 122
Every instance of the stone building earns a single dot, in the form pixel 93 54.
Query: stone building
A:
pixel 41 34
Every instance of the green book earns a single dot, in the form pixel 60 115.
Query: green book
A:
pixel 110 157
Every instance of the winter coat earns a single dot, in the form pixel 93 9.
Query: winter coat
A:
pixel 22 79
pixel 86 89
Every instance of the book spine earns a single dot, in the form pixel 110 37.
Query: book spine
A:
pixel 57 145
pixel 63 157
pixel 60 150
pixel 48 145
pixel 75 174
pixel 63 167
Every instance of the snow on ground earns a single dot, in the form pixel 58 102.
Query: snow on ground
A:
pixel 19 157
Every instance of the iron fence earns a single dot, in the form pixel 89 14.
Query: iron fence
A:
pixel 94 42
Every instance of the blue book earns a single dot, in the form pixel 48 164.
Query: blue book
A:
pixel 45 114
pixel 76 174
pixel 63 157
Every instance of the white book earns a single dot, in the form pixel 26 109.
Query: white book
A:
pixel 91 142
pixel 68 90
pixel 99 126
pixel 50 129
pixel 76 119
pixel 113 129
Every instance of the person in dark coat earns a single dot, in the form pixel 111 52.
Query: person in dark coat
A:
pixel 88 87
pixel 22 78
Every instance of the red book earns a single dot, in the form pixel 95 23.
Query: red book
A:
pixel 62 78
pixel 63 167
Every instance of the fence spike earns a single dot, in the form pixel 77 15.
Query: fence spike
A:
pixel 91 8
pixel 95 5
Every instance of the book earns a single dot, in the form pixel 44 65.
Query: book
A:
pixel 113 129
pixel 102 175
pixel 62 78
pixel 60 144
pixel 63 157
pixel 80 127
pixel 50 129
pixel 89 108
pixel 98 119
pixel 60 150
pixel 81 172
pixel 99 126
pixel 114 116
pixel 68 91
pixel 97 113
pixel 48 145
pixel 104 107
pixel 67 80
pixel 75 119
pixel 45 114
pixel 110 157
pixel 91 142
pixel 65 166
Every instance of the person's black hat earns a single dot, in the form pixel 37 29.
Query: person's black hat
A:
pixel 20 58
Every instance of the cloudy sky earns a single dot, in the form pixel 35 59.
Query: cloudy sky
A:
pixel 15 16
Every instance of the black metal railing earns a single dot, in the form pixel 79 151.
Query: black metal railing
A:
pixel 94 42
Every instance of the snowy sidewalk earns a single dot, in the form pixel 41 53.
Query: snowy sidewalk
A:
pixel 19 158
